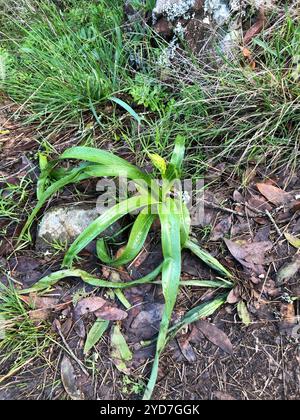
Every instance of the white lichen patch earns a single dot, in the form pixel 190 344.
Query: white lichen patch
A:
pixel 219 10
pixel 168 54
pixel 179 30
pixel 174 9
pixel 230 41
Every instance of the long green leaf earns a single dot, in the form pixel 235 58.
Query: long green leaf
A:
pixel 185 222
pixel 102 223
pixel 207 258
pixel 170 233
pixel 95 334
pixel 54 278
pixel 178 153
pixel 127 108
pixel 135 243
pixel 102 157
pixel 214 284
pixel 202 311
pixel 120 351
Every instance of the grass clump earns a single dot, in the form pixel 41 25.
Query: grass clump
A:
pixel 21 340
pixel 66 60
pixel 235 110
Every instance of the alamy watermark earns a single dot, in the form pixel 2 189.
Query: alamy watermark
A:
pixel 2 327
pixel 188 192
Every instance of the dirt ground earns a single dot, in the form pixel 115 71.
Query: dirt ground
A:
pixel 219 358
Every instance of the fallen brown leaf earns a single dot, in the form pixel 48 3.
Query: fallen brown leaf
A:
pixel 288 319
pixel 42 306
pixel 234 296
pixel 146 323
pixel 221 229
pixel 88 305
pixel 186 349
pixel 256 28
pixel 246 52
pixel 250 255
pixel 100 307
pixel 288 270
pixel 223 396
pixel 274 194
pixel 259 203
pixel 69 380
pixel 215 335
pixel 111 313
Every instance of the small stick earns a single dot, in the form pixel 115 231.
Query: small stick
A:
pixel 81 365
pixel 274 223
pixel 226 209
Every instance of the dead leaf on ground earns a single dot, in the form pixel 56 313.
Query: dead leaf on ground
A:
pixel 89 304
pixel 243 313
pixel 288 270
pixel 66 326
pixel 288 318
pixel 237 197
pixel 295 206
pixel 258 203
pixel 111 313
pixel 69 379
pixel 221 229
pixel 275 195
pixel 186 349
pixel 256 28
pixel 100 307
pixel 42 306
pixel 250 255
pixel 146 323
pixel 215 335
pixel 234 296
pixel 79 327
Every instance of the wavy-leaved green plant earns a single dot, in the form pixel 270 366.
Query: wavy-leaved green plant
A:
pixel 155 200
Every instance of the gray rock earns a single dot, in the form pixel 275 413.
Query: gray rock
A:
pixel 63 224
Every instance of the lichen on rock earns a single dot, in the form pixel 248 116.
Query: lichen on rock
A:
pixel 173 9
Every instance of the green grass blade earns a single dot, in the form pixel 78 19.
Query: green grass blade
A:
pixel 202 311
pixel 207 258
pixel 127 108
pixel 135 243
pixel 170 233
pixel 103 222
pixel 185 222
pixel 178 153
pixel 95 334
pixel 212 284
pixel 122 298
pixel 54 278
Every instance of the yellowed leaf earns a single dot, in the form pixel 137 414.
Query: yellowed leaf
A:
pixel 292 240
